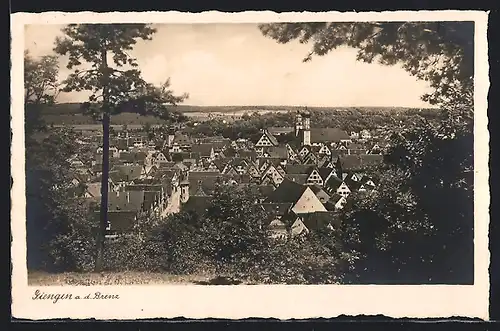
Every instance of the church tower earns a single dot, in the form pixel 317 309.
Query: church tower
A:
pixel 306 132
pixel 298 124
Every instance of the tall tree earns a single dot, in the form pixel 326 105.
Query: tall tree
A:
pixel 40 77
pixel 40 88
pixel 55 214
pixel 114 80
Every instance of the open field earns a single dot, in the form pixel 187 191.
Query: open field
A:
pixel 113 278
pixel 74 108
pixel 71 114
pixel 98 127
pixel 134 120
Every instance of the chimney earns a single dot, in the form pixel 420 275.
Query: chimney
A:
pixel 128 196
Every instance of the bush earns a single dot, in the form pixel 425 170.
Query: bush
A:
pixel 132 252
pixel 303 260
pixel 181 242
pixel 231 240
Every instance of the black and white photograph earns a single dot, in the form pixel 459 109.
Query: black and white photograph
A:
pixel 225 154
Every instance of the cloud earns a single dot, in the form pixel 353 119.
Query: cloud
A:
pixel 154 68
pixel 234 64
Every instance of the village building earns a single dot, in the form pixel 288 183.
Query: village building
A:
pixel 302 197
pixel 303 175
pixel 266 140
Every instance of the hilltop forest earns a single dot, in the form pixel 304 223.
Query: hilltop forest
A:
pixel 253 119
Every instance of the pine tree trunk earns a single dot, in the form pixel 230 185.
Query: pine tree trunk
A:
pixel 103 221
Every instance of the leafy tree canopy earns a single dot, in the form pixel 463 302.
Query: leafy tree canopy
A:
pixel 441 53
pixel 40 79
pixel 116 86
pixel 40 88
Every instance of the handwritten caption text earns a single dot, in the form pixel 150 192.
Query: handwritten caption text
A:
pixel 57 297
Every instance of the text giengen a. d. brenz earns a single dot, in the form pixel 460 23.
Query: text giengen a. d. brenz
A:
pixel 57 297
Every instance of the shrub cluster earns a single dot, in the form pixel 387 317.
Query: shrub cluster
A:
pixel 228 239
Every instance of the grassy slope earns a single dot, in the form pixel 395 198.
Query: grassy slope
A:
pixel 110 278
pixel 40 278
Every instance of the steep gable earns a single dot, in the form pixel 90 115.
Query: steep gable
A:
pixel 252 171
pixel 298 228
pixel 314 178
pixel 308 203
pixel 292 154
pixel 230 170
pixel 276 209
pixel 280 169
pixel 288 191
pixel 328 163
pixel 343 190
pixel 267 181
pixel 212 167
pixel 310 158
pixel 370 183
pixel 271 169
pixel 266 140
pixel 304 151
pixel 272 177
pixel 340 201
pixel 160 157
pixel 263 165
pixel 324 150
pixel 325 173
pixel 332 184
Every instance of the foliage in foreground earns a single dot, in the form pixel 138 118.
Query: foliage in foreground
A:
pixel 60 235
pixel 419 225
pixel 59 232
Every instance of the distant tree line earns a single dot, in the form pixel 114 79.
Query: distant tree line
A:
pixel 250 125
pixel 351 119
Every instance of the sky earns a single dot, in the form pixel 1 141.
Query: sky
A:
pixel 234 64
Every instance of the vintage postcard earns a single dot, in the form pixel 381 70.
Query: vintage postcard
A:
pixel 255 164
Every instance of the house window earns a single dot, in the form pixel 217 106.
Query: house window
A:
pixel 108 226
